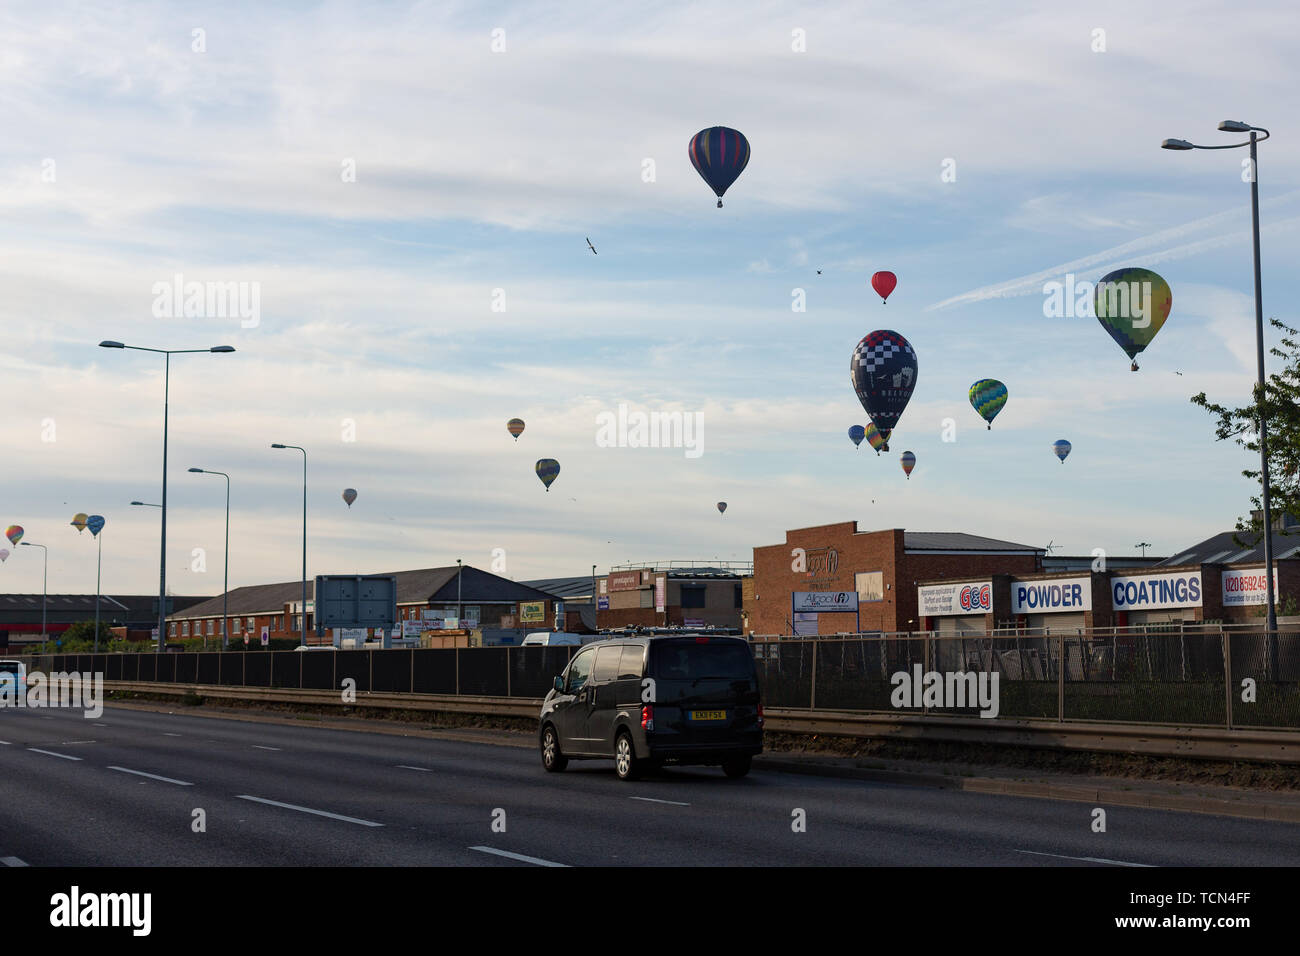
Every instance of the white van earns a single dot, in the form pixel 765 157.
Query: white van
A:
pixel 552 639
pixel 13 679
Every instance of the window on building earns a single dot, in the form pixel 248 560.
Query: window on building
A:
pixel 693 595
pixel 171 630
pixel 252 623
pixel 185 629
pixel 212 628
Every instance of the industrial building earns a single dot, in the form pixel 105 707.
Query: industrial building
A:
pixel 672 593
pixel 135 614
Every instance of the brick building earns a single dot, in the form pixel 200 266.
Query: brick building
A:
pixel 672 594
pixel 882 568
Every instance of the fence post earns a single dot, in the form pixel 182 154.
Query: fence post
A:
pixel 300 665
pixel 813 700
pixel 507 670
pixel 1227 674
pixel 925 669
pixel 457 653
pixel 1060 679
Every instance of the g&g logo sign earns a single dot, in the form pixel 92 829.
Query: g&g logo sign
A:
pixel 976 598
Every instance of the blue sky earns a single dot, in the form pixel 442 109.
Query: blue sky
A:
pixel 479 170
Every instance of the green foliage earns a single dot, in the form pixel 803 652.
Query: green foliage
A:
pixel 1280 403
pixel 80 638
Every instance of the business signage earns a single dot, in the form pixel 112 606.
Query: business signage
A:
pixel 822 602
pixel 1049 597
pixel 602 603
pixel 822 560
pixel 1154 591
pixel 624 580
pixel 936 600
pixel 1246 587
pixel 533 612
pixel 661 593
pixel 413 628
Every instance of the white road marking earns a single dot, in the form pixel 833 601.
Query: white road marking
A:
pixel 152 776
pixel 319 813
pixel 5 742
pixel 51 753
pixel 171 735
pixel 259 747
pixel 517 856
pixel 1087 859
pixel 653 800
pixel 11 861
pixel 403 766
pixel 65 742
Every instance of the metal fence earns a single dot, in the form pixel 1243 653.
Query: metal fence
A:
pixel 1207 676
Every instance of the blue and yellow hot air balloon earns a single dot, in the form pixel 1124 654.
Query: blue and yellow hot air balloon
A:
pixel 1061 448
pixel 987 396
pixel 1132 306
pixel 719 154
pixel 548 469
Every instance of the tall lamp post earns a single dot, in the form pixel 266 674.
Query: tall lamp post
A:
pixel 1233 126
pixel 304 535
pixel 162 547
pixel 225 583
pixel 44 586
pixel 459 622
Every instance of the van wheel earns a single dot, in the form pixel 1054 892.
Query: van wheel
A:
pixel 625 762
pixel 552 759
pixel 737 767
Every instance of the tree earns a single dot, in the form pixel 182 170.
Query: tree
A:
pixel 1280 402
pixel 81 636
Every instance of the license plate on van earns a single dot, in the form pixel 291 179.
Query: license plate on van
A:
pixel 708 715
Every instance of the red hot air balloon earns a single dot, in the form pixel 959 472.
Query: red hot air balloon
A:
pixel 883 283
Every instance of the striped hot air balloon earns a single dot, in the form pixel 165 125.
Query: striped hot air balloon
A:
pixel 79 521
pixel 987 396
pixel 548 469
pixel 909 462
pixel 879 440
pixel 719 154
pixel 515 427
pixel 14 533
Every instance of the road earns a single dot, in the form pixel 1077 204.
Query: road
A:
pixel 123 790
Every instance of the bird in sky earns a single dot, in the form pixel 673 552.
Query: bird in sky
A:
pixel 1178 373
pixel 819 271
pixel 593 248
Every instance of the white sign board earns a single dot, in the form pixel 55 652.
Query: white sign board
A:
pixel 1049 597
pixel 413 628
pixel 937 600
pixel 1154 591
pixel 266 635
pixel 1246 587
pixel 812 602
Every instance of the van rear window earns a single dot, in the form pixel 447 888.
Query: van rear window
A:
pixel 688 660
pixel 9 667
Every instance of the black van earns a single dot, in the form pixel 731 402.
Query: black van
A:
pixel 647 701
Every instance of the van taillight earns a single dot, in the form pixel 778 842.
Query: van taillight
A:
pixel 647 717
pixel 701 640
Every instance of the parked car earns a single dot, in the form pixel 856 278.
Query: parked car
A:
pixel 654 700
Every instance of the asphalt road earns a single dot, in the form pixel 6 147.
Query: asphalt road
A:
pixel 78 792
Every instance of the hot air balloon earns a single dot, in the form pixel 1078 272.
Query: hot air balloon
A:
pixel 95 523
pixel 1062 448
pixel 79 521
pixel 349 495
pixel 883 373
pixel 722 507
pixel 987 396
pixel 856 434
pixel 515 427
pixel 884 283
pixel 1132 305
pixel 719 155
pixel 4 554
pixel 547 469
pixel 14 533
pixel 879 441
pixel 909 462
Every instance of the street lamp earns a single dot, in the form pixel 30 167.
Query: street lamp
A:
pixel 1143 545
pixel 162 547
pixel 304 534
pixel 1235 126
pixel 44 588
pixel 225 584
pixel 459 623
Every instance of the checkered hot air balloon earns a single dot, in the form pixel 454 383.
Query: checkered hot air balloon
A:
pixel 548 469
pixel 883 372
pixel 987 396
pixel 719 154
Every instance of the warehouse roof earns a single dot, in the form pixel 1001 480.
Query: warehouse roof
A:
pixel 564 588
pixel 1236 547
pixel 914 541
pixel 413 587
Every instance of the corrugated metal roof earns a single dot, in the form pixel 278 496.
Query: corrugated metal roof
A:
pixel 563 588
pixel 1235 547
pixel 959 541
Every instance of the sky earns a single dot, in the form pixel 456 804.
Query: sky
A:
pixel 408 189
